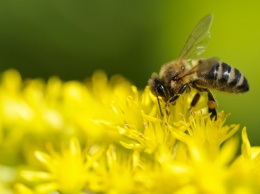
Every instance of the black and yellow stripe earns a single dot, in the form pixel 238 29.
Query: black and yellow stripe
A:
pixel 224 77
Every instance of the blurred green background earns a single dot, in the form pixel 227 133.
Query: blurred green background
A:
pixel 72 39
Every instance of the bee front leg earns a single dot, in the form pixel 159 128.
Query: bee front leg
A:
pixel 212 104
pixel 180 92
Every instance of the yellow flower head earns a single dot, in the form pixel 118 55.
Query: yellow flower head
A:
pixel 105 136
pixel 66 171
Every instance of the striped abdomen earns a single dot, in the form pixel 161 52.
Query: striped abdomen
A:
pixel 222 77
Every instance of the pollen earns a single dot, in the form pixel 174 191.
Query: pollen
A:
pixel 212 104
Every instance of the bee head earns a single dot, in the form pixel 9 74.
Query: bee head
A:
pixel 158 87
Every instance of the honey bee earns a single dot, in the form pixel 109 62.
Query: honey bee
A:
pixel 180 75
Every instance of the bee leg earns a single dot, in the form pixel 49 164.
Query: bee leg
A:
pixel 212 104
pixel 195 100
pixel 180 92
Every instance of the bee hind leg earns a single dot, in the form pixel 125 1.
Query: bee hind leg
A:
pixel 212 104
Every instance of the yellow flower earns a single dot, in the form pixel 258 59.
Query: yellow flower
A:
pixel 105 136
pixel 66 171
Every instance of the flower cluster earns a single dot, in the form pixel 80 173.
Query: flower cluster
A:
pixel 105 136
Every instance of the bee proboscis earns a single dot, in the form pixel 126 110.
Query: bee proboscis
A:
pixel 180 75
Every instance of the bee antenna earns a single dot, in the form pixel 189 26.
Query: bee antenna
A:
pixel 159 105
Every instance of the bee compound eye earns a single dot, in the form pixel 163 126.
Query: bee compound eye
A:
pixel 160 90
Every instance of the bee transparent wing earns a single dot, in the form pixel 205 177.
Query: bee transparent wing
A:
pixel 198 39
pixel 205 65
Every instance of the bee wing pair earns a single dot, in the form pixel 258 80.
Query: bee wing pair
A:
pixel 198 39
